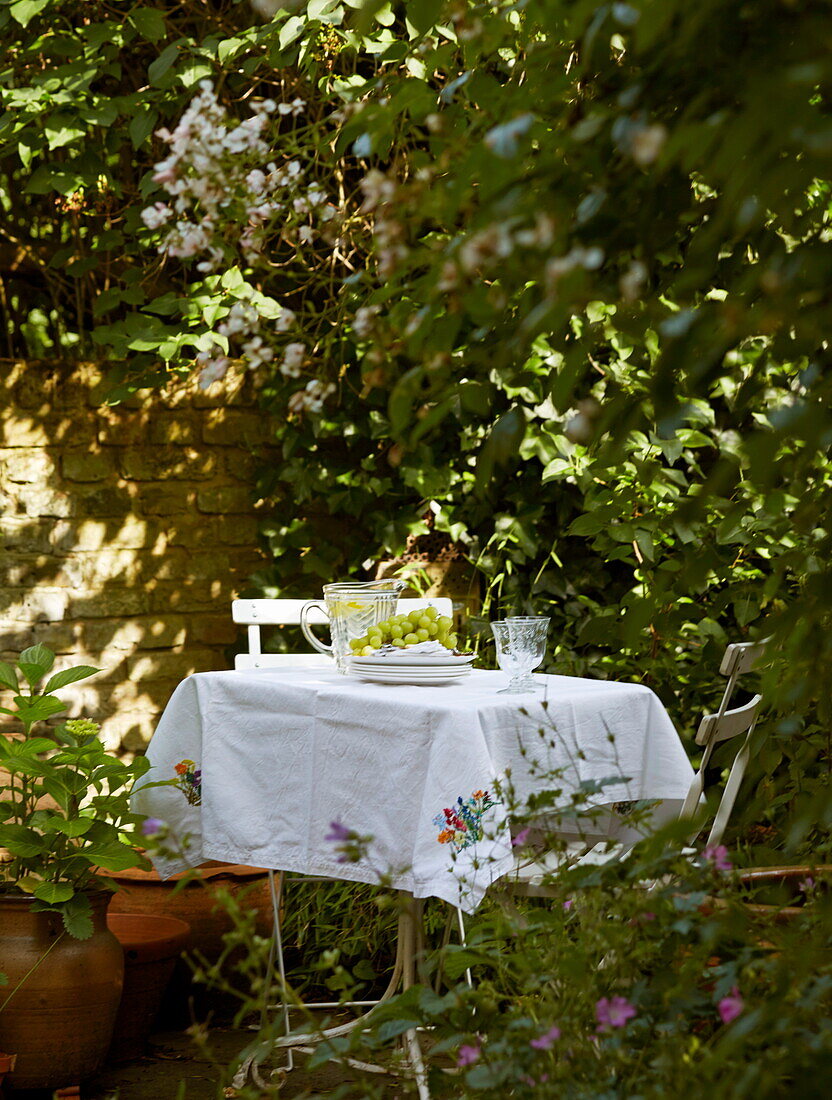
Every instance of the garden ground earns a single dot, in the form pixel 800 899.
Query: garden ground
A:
pixel 172 1061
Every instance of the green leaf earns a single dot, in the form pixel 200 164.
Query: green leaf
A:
pixel 113 856
pixel 25 10
pixel 141 127
pixel 72 827
pixel 39 659
pixel 77 917
pixel 21 841
pixel 149 22
pixel 69 676
pixel 41 707
pixel 157 69
pixel 291 30
pixel 53 892
pixel 502 445
pixel 389 1029
pixel 424 14
pixel 229 48
pixel 8 676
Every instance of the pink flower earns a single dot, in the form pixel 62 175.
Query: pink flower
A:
pixel 614 1012
pixel 807 885
pixel 718 856
pixel 468 1054
pixel 731 1006
pixel 519 840
pixel 567 905
pixel 547 1039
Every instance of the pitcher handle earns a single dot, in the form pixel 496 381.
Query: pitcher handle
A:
pixel 322 647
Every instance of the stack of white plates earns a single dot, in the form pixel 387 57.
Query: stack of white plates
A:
pixel 403 668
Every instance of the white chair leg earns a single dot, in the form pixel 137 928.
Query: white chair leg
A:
pixel 277 947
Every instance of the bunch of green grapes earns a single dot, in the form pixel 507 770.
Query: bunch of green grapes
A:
pixel 407 630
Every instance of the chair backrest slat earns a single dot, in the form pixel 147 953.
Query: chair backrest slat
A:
pixel 720 727
pixel 279 612
pixel 741 657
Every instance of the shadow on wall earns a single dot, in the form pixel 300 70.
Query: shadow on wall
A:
pixel 126 532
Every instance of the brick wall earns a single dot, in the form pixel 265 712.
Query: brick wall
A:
pixel 125 532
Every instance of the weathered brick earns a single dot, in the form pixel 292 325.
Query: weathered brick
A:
pixel 240 465
pixel 129 532
pixel 166 499
pixel 214 629
pixel 31 385
pixel 103 502
pixel 159 463
pixel 17 431
pixel 39 604
pixel 173 428
pixel 235 530
pixel 27 464
pixel 121 427
pixel 88 465
pixel 40 569
pixel 187 596
pixel 135 732
pixel 14 638
pixel 190 530
pixel 59 637
pixel 52 503
pixel 235 389
pixel 107 603
pixel 128 568
pixel 148 666
pixel 224 500
pixel 25 536
pixel 235 427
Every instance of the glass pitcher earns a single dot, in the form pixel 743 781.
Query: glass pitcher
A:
pixel 352 607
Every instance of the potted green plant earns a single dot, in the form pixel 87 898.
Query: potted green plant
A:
pixel 64 813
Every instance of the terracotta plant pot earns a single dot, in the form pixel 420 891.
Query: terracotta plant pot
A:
pixel 196 902
pixel 151 944
pixel 7 1062
pixel 60 1021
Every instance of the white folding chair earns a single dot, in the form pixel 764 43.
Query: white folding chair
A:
pixel 255 614
pixel 529 877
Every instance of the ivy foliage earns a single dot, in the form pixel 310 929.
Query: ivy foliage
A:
pixel 594 242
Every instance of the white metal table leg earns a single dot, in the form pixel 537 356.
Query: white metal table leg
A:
pixel 404 975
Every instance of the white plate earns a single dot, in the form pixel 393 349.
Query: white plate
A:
pixel 414 660
pixel 412 670
pixel 414 676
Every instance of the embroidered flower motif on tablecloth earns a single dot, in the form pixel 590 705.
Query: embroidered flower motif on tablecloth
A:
pixel 461 825
pixel 189 781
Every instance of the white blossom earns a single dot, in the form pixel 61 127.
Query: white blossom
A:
pixel 292 361
pixel 156 215
pixel 285 320
pixel 294 108
pixel 364 321
pixel 257 352
pixel 647 142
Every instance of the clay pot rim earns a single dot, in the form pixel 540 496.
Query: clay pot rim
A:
pixel 97 897
pixel 171 937
pixel 206 870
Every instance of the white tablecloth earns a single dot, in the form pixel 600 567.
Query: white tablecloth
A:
pixel 274 756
